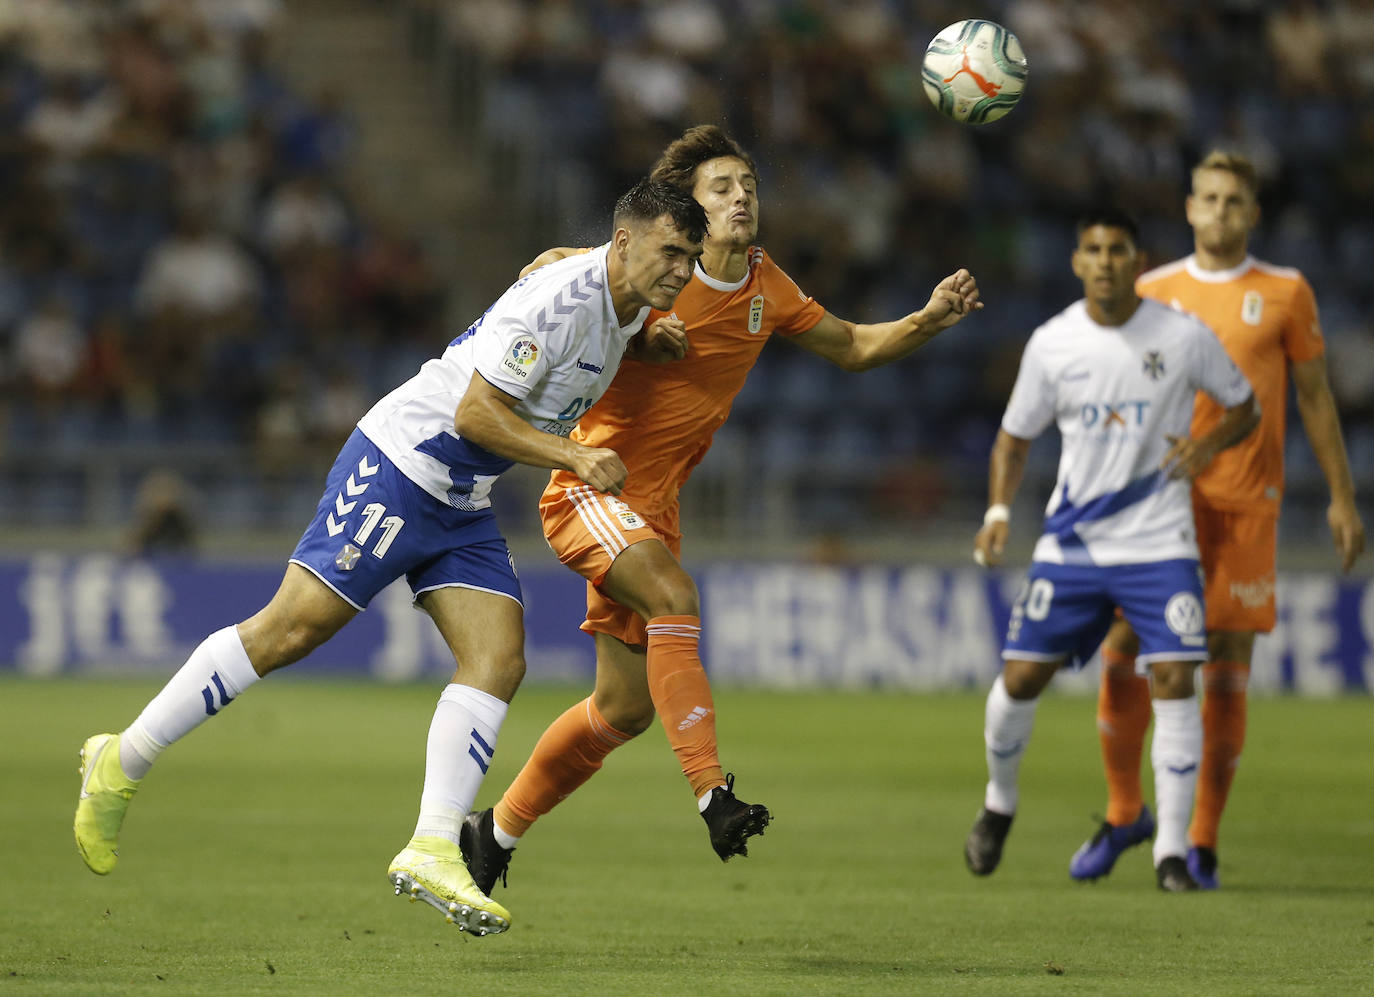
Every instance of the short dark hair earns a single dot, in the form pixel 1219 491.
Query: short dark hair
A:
pixel 678 163
pixel 651 199
pixel 1111 217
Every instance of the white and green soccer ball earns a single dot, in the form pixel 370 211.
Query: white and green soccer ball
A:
pixel 974 71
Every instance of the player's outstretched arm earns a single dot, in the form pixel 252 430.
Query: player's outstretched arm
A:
pixel 1319 418
pixel 486 416
pixel 549 256
pixel 1005 468
pixel 1187 456
pixel 858 347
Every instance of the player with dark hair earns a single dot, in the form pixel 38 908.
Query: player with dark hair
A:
pixel 409 495
pixel 1266 317
pixel 642 606
pixel 1118 376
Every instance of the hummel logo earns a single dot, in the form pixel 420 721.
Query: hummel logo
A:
pixel 698 714
pixel 480 751
pixel 224 698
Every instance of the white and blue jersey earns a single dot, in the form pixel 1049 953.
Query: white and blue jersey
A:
pixel 552 340
pixel 408 496
pixel 1117 393
pixel 1118 533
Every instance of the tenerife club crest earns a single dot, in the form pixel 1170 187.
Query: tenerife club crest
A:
pixel 347 557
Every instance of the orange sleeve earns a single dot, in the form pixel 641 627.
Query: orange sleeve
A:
pixel 796 311
pixel 1302 332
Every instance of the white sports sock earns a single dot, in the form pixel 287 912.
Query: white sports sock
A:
pixel 216 672
pixel 462 741
pixel 504 838
pixel 1175 753
pixel 1006 732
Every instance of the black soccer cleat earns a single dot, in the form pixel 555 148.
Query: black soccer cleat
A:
pixel 486 860
pixel 731 822
pixel 1172 875
pixel 983 846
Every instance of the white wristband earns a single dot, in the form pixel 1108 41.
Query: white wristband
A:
pixel 998 512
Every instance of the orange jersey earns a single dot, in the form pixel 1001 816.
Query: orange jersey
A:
pixel 1266 317
pixel 660 418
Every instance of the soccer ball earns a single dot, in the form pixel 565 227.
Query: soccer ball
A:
pixel 974 71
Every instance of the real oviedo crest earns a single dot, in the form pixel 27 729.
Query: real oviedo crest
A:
pixel 755 314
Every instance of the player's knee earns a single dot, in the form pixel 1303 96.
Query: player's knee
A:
pixel 631 719
pixel 499 674
pixel 1021 680
pixel 1172 680
pixel 673 595
pixel 272 644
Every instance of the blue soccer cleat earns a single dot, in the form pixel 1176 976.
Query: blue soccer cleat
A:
pixel 1202 866
pixel 1096 856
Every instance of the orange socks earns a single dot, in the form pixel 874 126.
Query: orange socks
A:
pixel 1123 715
pixel 1223 737
pixel 567 755
pixel 575 745
pixel 682 697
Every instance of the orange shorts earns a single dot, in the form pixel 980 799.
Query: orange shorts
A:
pixel 588 530
pixel 1238 552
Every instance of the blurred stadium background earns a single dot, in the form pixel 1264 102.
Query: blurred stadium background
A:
pixel 227 226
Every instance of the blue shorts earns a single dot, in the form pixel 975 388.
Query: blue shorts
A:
pixel 1064 611
pixel 374 524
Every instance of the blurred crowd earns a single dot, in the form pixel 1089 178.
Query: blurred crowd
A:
pixel 869 197
pixel 181 262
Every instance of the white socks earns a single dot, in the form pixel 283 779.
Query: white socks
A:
pixel 462 741
pixel 1006 732
pixel 216 672
pixel 1175 753
pixel 506 841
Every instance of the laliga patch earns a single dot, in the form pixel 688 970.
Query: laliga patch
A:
pixel 1183 614
pixel 755 314
pixel 521 357
pixel 347 557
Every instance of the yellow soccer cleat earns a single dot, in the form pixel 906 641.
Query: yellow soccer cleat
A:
pixel 105 795
pixel 432 870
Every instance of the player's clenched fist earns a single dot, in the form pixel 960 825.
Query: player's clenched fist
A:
pixel 663 341
pixel 953 298
pixel 601 468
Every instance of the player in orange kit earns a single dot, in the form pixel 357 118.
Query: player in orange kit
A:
pixel 1266 317
pixel 643 608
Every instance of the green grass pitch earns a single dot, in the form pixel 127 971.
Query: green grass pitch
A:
pixel 254 858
